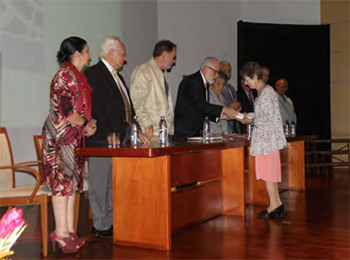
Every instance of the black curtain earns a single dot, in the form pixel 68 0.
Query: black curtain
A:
pixel 301 54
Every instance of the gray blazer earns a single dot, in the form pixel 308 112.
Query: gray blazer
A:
pixel 221 127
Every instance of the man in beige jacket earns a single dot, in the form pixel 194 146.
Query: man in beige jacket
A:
pixel 150 91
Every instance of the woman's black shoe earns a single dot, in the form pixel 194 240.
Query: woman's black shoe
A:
pixel 277 212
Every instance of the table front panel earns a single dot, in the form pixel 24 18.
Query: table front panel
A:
pixel 193 167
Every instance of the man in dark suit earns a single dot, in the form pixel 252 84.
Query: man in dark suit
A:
pixel 246 97
pixel 192 104
pixel 113 110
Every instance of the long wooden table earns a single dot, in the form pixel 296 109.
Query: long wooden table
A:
pixel 160 189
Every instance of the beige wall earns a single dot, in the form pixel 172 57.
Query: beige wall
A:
pixel 336 13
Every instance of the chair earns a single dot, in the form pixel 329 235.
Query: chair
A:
pixel 38 148
pixel 22 196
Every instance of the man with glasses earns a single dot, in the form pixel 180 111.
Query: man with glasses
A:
pixel 192 104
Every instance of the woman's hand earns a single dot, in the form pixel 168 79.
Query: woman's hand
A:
pixel 245 120
pixel 91 127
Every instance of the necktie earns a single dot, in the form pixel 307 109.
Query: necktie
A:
pixel 166 85
pixel 125 99
pixel 251 98
pixel 207 92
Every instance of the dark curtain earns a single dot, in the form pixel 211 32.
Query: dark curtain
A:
pixel 301 54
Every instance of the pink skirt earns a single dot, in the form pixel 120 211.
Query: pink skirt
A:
pixel 268 167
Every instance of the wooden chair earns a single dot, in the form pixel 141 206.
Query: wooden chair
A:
pixel 38 148
pixel 22 196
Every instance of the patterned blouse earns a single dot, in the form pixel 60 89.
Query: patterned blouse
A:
pixel 268 135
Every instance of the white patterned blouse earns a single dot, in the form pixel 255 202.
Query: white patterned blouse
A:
pixel 268 135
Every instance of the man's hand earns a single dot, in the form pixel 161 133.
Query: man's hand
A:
pixel 230 112
pixel 149 131
pixel 144 138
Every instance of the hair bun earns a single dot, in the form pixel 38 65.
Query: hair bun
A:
pixel 61 56
pixel 68 47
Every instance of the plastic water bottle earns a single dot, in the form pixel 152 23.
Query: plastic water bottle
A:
pixel 206 129
pixel 163 131
pixel 249 131
pixel 286 129
pixel 135 138
pixel 292 130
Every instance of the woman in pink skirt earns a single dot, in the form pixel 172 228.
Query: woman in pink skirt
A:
pixel 267 137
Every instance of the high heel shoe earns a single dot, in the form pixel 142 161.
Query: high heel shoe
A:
pixel 80 242
pixel 69 246
pixel 277 212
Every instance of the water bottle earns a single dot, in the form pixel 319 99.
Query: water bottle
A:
pixel 135 138
pixel 292 130
pixel 286 129
pixel 163 131
pixel 249 131
pixel 206 129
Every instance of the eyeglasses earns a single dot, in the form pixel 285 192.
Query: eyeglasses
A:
pixel 215 71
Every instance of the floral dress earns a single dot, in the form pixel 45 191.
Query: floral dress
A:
pixel 61 170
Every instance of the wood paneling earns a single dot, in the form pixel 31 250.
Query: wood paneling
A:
pixel 141 199
pixel 340 37
pixel 334 10
pixel 339 69
pixel 296 165
pixel 193 167
pixel 196 204
pixel 336 13
pixel 233 185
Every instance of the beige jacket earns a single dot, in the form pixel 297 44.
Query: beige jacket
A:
pixel 149 98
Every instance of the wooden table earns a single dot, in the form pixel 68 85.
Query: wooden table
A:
pixel 160 189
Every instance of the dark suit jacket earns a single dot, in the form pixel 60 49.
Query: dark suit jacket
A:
pixel 191 107
pixel 107 107
pixel 246 105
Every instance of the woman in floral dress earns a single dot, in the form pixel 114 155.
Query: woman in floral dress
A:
pixel 66 126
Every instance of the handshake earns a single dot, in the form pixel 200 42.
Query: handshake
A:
pixel 230 113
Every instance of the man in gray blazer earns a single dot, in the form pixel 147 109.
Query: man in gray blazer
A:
pixel 230 96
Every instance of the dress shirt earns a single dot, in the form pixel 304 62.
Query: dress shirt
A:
pixel 119 82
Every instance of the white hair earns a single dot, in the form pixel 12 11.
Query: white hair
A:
pixel 208 61
pixel 110 42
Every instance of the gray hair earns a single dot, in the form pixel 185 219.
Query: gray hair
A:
pixel 208 61
pixel 110 42
pixel 225 62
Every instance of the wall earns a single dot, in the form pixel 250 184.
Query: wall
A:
pixel 200 29
pixel 140 32
pixel 31 32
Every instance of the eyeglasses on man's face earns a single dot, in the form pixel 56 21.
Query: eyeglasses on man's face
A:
pixel 215 71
